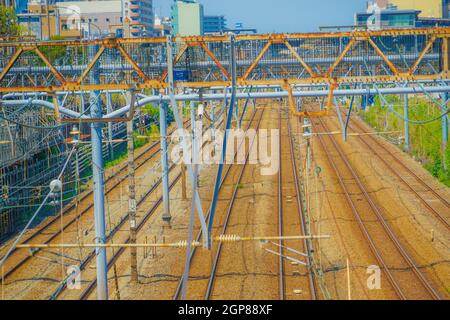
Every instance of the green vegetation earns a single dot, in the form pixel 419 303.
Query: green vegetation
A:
pixel 122 156
pixel 425 140
pixel 54 53
pixel 151 110
pixel 8 22
pixel 152 132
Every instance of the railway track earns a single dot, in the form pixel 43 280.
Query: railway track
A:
pixel 73 212
pixel 210 285
pixel 111 261
pixel 291 219
pixel 402 272
pixel 116 255
pixel 432 200
pixel 281 275
pixel 212 276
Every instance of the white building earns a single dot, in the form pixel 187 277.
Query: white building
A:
pixel 93 17
pixel 187 18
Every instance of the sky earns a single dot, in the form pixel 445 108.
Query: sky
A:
pixel 278 15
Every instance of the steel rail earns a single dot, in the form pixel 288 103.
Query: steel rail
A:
pixel 199 234
pixel 72 206
pixel 281 282
pixel 361 225
pixel 212 275
pixel 303 229
pixel 117 227
pixel 402 178
pixel 401 250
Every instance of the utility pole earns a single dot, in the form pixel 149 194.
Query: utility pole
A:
pixel 179 122
pixel 445 122
pixel 406 116
pixel 229 117
pixel 164 161
pixel 110 130
pixel 132 193
pixel 183 165
pixel 99 186
pixel 194 133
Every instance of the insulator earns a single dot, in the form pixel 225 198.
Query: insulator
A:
pixel 56 185
pixel 184 244
pixel 53 195
pixel 74 131
pixel 229 238
pixel 53 203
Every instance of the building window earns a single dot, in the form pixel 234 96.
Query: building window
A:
pixel 107 19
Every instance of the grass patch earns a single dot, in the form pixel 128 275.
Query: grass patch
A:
pixel 425 140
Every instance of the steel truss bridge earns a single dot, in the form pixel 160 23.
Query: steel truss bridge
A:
pixel 47 74
pixel 273 59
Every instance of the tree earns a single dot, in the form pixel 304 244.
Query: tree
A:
pixel 8 22
pixel 54 52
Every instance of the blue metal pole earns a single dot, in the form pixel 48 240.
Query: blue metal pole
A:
pixel 244 109
pixel 348 118
pixel 406 115
pixel 99 188
pixel 341 121
pixel 363 102
pixel 164 161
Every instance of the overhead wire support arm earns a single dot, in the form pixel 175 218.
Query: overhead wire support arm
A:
pixel 179 122
pixel 225 138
